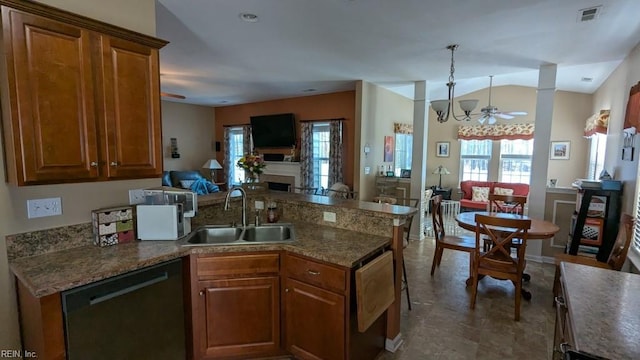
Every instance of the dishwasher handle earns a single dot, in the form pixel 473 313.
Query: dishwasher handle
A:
pixel 98 299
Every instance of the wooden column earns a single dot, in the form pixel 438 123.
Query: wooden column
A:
pixel 394 338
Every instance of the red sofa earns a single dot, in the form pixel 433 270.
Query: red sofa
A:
pixel 466 187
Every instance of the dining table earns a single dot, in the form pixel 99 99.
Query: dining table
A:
pixel 540 229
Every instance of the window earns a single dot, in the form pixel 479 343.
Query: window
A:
pixel 515 161
pixel 236 140
pixel 403 152
pixel 321 146
pixel 474 159
pixel 597 146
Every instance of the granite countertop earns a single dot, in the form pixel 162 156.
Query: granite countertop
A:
pixel 603 308
pixel 62 270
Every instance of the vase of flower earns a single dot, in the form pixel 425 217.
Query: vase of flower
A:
pixel 253 166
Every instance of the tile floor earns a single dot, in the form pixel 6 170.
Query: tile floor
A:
pixel 441 325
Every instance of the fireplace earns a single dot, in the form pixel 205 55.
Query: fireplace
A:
pixel 281 175
pixel 279 182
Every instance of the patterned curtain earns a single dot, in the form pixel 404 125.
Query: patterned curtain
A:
pixel 496 132
pixel 227 156
pixel 306 154
pixel 335 152
pixel 247 140
pixel 597 123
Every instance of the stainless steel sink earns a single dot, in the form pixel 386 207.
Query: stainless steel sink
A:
pixel 227 235
pixel 268 233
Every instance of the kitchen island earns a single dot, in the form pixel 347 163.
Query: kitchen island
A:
pixel 361 230
pixel 602 316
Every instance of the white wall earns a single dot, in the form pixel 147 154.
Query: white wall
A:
pixel 379 108
pixel 77 199
pixel 192 126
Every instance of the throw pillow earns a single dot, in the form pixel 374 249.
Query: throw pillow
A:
pixel 186 184
pixel 480 193
pixel 502 191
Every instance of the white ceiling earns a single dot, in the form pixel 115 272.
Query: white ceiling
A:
pixel 214 58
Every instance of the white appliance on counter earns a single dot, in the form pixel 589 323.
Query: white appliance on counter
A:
pixel 166 214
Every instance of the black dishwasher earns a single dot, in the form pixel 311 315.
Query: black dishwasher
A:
pixel 137 315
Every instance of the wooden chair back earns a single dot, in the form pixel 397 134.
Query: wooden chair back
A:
pixel 618 254
pixel 407 225
pixel 513 204
pixel 501 233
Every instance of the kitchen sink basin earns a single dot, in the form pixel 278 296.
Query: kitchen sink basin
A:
pixel 268 233
pixel 228 235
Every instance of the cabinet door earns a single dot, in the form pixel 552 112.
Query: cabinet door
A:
pixel 51 136
pixel 239 317
pixel 130 104
pixel 315 322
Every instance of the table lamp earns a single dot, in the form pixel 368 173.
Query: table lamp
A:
pixel 212 165
pixel 441 170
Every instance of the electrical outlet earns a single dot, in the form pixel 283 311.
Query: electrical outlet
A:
pixel 329 216
pixel 367 170
pixel 44 207
pixel 136 196
pixel 259 205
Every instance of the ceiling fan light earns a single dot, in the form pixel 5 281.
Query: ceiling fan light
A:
pixel 468 105
pixel 492 120
pixel 440 106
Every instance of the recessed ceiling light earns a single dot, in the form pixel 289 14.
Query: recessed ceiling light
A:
pixel 249 17
pixel 586 79
pixel 309 90
pixel 223 101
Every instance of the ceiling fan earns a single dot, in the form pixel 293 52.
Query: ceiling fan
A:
pixel 171 95
pixel 490 112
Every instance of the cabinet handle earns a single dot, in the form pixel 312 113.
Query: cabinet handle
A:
pixel 94 164
pixel 564 347
pixel 201 293
pixel 286 290
pixel 560 301
pixel 313 272
pixel 114 163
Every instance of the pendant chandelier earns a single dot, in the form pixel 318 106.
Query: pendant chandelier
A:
pixel 444 108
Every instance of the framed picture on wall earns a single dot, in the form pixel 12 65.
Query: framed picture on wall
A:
pixel 388 149
pixel 560 150
pixel 442 149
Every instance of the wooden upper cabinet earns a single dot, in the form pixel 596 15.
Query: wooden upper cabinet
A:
pixel 80 99
pixel 50 134
pixel 129 85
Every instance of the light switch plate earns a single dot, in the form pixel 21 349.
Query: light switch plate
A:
pixel 37 208
pixel 329 216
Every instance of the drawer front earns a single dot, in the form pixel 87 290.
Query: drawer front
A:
pixel 249 264
pixel 124 225
pixel 113 215
pixel 311 272
pixel 126 236
pixel 104 229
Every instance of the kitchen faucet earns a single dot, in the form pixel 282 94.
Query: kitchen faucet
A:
pixel 244 203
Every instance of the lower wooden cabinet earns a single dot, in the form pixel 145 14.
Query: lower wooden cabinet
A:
pixel 235 306
pixel 315 321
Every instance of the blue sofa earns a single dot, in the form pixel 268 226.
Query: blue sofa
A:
pixel 189 179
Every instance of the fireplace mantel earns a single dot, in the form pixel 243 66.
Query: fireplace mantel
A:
pixel 282 172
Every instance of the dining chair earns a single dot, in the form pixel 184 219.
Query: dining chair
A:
pixel 444 241
pixel 498 262
pixel 617 256
pixel 405 242
pixel 513 204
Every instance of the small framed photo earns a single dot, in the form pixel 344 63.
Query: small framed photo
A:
pixel 405 173
pixel 627 153
pixel 288 158
pixel 442 149
pixel 560 150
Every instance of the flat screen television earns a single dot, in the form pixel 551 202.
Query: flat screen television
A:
pixel 277 130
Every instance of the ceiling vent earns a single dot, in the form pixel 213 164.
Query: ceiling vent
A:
pixel 589 14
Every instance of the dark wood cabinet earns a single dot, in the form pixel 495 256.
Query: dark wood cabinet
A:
pixel 81 98
pixel 235 305
pixel 130 109
pixel 315 321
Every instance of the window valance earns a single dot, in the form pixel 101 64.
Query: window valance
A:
pixel 402 128
pixel 632 116
pixel 597 123
pixel 496 132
